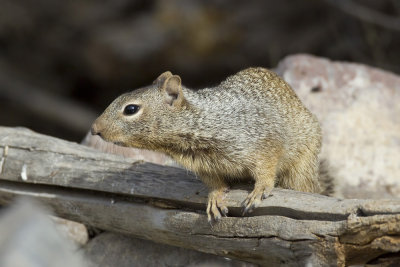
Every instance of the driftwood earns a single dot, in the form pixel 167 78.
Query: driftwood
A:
pixel 167 204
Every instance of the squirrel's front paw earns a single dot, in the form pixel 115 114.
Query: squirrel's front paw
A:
pixel 216 205
pixel 254 199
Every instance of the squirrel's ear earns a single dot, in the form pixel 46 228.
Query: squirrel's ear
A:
pixel 172 91
pixel 161 79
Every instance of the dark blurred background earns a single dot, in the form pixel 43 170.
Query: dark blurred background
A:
pixel 63 62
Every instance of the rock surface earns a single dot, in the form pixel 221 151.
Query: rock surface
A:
pixel 28 238
pixel 358 107
pixel 140 154
pixel 74 231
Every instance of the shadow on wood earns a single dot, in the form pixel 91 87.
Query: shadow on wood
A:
pixel 167 204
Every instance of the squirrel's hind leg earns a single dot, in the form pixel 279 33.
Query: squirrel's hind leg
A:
pixel 302 174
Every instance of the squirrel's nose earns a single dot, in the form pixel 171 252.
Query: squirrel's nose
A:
pixel 94 130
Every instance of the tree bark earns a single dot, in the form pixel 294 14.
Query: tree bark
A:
pixel 167 205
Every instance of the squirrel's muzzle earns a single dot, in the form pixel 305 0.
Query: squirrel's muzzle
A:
pixel 95 129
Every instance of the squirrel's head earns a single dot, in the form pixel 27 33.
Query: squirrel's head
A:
pixel 139 118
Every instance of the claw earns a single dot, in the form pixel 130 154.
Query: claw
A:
pixel 224 211
pixel 254 199
pixel 209 218
pixel 215 206
pixel 246 210
pixel 266 194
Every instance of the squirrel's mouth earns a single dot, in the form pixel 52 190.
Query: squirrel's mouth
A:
pixel 105 138
pixel 119 143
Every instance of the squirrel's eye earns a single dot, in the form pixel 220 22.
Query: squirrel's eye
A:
pixel 131 109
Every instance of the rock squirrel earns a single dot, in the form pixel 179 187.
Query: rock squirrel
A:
pixel 252 125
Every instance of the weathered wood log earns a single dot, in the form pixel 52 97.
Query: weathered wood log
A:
pixel 167 204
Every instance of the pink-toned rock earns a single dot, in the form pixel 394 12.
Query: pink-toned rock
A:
pixel 139 154
pixel 74 231
pixel 359 110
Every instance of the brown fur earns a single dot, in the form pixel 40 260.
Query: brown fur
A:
pixel 250 125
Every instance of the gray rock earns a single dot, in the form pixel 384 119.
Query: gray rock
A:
pixel 28 238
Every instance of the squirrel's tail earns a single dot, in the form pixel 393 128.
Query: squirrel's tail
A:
pixel 326 179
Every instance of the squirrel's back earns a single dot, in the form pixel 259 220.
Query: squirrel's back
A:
pixel 253 110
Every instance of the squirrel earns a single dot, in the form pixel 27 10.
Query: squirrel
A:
pixel 251 125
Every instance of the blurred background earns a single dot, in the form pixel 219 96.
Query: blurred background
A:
pixel 63 62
